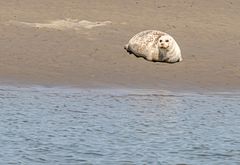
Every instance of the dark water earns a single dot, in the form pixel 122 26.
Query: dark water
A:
pixel 56 126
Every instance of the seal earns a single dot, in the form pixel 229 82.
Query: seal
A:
pixel 154 46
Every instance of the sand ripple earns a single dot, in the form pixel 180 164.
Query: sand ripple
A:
pixel 63 24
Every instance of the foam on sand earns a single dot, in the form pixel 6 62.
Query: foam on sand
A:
pixel 63 24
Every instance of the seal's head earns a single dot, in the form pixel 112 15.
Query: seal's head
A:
pixel 165 42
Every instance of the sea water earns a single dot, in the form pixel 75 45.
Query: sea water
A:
pixel 67 126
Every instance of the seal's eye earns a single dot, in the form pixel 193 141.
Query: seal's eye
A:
pixel 160 40
pixel 167 40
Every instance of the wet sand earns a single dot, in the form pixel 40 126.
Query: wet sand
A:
pixel 207 32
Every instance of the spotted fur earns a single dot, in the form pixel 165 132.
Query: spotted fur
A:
pixel 147 44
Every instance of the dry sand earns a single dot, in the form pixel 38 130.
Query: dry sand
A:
pixel 80 43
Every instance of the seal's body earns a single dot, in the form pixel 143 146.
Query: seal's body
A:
pixel 154 46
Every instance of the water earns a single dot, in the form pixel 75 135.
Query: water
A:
pixel 57 126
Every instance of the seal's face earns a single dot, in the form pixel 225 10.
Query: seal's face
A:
pixel 165 42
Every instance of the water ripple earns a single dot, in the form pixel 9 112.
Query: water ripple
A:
pixel 93 126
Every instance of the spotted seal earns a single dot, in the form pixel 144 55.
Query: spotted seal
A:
pixel 154 46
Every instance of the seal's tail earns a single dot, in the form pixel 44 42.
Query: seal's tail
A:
pixel 126 46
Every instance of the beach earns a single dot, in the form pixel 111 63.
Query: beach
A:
pixel 70 93
pixel 80 43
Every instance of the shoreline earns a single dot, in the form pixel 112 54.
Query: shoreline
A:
pixel 117 91
pixel 114 87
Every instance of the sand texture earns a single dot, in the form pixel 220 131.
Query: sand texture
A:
pixel 80 43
